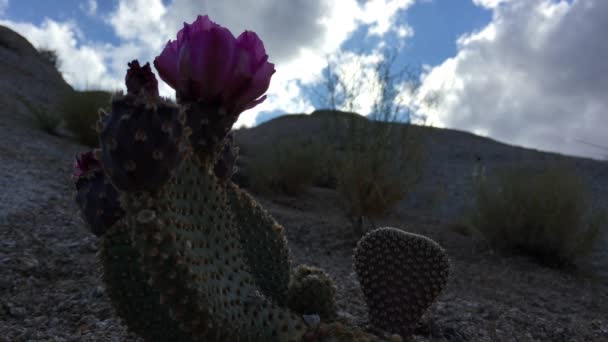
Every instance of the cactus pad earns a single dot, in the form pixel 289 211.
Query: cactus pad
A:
pixel 135 301
pixel 401 274
pixel 311 291
pixel 148 135
pixel 194 258
pixel 264 244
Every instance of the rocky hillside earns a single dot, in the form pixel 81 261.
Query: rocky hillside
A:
pixel 28 81
pixel 450 158
pixel 27 76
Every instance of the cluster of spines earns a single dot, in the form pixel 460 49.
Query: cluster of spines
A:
pixel 225 165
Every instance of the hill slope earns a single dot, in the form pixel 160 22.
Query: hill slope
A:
pixel 451 156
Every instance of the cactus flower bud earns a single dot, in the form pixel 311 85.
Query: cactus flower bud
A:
pixel 141 79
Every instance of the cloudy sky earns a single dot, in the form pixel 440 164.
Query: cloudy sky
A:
pixel 526 72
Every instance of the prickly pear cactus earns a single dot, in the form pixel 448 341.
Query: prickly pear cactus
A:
pixel 401 274
pixel 188 256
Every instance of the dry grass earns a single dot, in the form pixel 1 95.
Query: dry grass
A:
pixel 288 166
pixel 376 164
pixel 43 118
pixel 80 111
pixel 542 212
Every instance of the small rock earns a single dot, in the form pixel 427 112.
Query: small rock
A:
pixel 17 311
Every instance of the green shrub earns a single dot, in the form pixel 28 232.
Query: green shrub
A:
pixel 289 166
pixel 80 111
pixel 541 211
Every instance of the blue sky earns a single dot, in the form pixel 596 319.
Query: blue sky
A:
pixel 525 72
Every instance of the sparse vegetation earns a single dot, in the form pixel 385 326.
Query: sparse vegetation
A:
pixel 49 56
pixel 376 167
pixel 541 211
pixel 80 110
pixel 378 160
pixel 43 118
pixel 288 166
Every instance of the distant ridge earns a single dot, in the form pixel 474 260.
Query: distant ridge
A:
pixel 451 156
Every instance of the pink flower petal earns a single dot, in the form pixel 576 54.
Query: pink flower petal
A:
pixel 212 53
pixel 166 64
pixel 257 87
pixel 250 42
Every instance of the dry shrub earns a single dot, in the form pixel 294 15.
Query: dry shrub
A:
pixel 543 212
pixel 42 117
pixel 288 166
pixel 49 56
pixel 80 110
pixel 376 167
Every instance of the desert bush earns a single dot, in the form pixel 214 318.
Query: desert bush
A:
pixel 375 168
pixel 80 112
pixel 541 211
pixel 289 166
pixel 378 159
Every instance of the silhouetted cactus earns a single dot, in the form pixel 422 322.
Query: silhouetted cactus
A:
pixel 194 258
pixel 401 274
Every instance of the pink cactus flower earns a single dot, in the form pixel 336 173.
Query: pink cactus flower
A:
pixel 84 163
pixel 207 63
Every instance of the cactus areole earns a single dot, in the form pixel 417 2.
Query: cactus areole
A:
pixel 187 255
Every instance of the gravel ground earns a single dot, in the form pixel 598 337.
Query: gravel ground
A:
pixel 50 287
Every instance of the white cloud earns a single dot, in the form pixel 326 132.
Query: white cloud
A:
pixel 489 3
pixel 83 66
pixel 89 7
pixel 140 22
pixel 297 35
pixel 382 14
pixel 535 76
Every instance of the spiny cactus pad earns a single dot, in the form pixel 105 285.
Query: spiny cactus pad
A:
pixel 401 274
pixel 264 244
pixel 311 291
pixel 134 300
pixel 139 143
pixel 194 257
